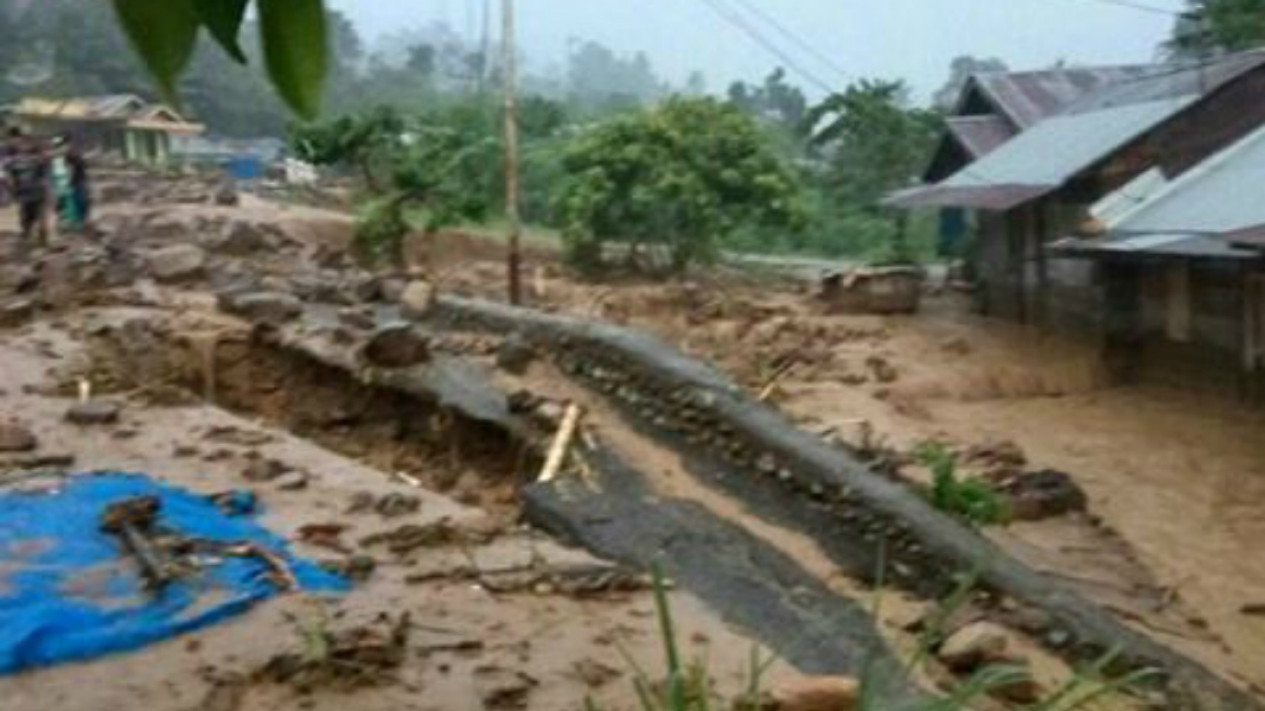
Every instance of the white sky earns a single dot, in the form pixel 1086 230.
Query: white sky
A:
pixel 910 39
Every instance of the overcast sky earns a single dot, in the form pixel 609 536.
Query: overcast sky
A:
pixel 910 39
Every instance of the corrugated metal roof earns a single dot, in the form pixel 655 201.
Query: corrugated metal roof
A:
pixel 980 135
pixel 1223 194
pixel 1053 151
pixel 1030 97
pixel 1185 245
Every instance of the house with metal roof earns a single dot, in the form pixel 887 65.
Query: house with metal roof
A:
pixel 121 124
pixel 1039 185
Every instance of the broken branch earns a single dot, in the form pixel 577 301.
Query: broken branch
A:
pixel 561 444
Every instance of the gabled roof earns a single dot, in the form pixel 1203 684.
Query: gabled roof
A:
pixel 1027 98
pixel 1054 151
pixel 979 135
pixel 120 108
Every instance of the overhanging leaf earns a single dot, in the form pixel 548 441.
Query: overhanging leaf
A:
pixel 295 45
pixel 223 18
pixel 164 33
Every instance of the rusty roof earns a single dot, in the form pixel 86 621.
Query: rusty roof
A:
pixel 980 135
pixel 1030 97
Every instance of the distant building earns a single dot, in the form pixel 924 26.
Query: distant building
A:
pixel 122 124
pixel 242 158
pixel 1141 143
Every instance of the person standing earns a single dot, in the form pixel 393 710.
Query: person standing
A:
pixel 28 178
pixel 80 188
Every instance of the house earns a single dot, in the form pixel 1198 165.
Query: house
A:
pixel 1183 266
pixel 242 158
pixel 123 124
pixel 1039 185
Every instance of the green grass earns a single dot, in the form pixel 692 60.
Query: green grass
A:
pixel 971 498
pixel 688 687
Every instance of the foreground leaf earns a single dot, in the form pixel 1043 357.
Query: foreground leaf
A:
pixel 164 33
pixel 295 50
pixel 223 18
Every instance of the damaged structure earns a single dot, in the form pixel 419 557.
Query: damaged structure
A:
pixel 123 125
pixel 1114 215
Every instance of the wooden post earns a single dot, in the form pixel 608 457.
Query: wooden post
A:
pixel 511 156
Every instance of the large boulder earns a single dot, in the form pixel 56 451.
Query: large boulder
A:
pixel 16 437
pixel 177 263
pixel 240 238
pixel 269 307
pixel 417 299
pixel 396 346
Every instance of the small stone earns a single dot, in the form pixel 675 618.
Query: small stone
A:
pixel 268 307
pixel 94 412
pixel 396 346
pixel 1020 691
pixel 825 693
pixel 973 646
pixel 392 289
pixel 515 354
pixel 1045 494
pixel 293 481
pixel 177 263
pixel 184 451
pixel 16 313
pixel 264 470
pixel 417 299
pixel 359 319
pixel 16 437
pixel 226 195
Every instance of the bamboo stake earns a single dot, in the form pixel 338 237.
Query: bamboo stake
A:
pixel 561 443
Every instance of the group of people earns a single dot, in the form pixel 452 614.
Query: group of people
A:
pixel 47 179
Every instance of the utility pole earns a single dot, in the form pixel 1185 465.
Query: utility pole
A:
pixel 511 156
pixel 485 49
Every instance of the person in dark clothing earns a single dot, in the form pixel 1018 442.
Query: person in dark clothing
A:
pixel 28 179
pixel 8 149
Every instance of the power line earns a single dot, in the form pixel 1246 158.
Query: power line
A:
pixel 795 39
pixel 1142 7
pixel 728 14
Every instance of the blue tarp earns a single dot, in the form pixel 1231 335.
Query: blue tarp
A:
pixel 68 591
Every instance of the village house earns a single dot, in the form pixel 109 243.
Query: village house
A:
pixel 1092 167
pixel 123 125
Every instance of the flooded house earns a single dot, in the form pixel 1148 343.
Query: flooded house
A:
pixel 123 125
pixel 1093 168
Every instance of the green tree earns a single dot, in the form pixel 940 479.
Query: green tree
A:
pixel 369 142
pixel 1211 25
pixel 673 182
pixel 961 69
pixel 776 101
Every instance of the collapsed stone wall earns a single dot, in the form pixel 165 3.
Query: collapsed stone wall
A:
pixel 924 548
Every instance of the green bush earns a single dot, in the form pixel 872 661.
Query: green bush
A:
pixel 972 498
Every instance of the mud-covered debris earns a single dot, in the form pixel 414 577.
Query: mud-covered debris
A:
pixel 16 437
pixel 882 369
pixel 1044 494
pixel 267 307
pixel 260 469
pixel 595 674
pixel 348 659
pixel 396 346
pixel 388 505
pixel 409 537
pixel 361 319
pixel 1253 609
pixel 16 312
pixel 226 194
pixel 501 688
pixel 325 535
pixel 956 346
pixel 417 299
pixel 293 480
pixel 515 354
pixel 240 238
pixel 975 645
pixel 817 693
pixel 177 263
pixel 997 460
pixel 94 412
pixel 358 568
pixel 229 434
pixel 1024 690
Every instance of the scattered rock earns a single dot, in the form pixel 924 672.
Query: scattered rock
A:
pixel 956 346
pixel 882 369
pixel 16 313
pixel 396 346
pixel 395 505
pixel 357 567
pixel 417 299
pixel 295 480
pixel 594 674
pixel 269 307
pixel 359 319
pixel 16 437
pixel 177 263
pixel 1045 494
pixel 515 354
pixel 94 412
pixel 1021 691
pixel 226 195
pixel 825 693
pixel 391 289
pixel 975 645
pixel 240 238
pixel 501 688
pixel 261 470
pixel 999 460
pixel 1253 609
pixel 325 535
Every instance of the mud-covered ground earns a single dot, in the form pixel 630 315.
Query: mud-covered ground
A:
pixel 1178 481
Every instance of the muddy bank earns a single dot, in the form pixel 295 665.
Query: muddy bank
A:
pixel 677 394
